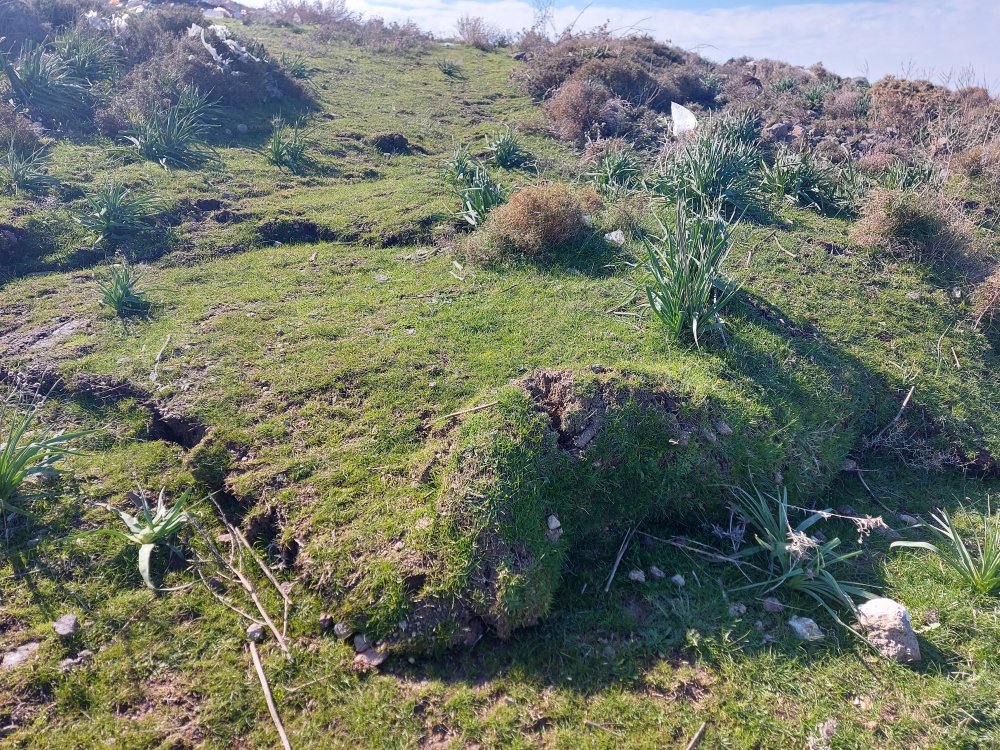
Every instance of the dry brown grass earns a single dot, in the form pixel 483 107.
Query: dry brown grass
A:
pixel 537 222
pixel 912 224
pixel 17 130
pixel 576 109
pixel 986 302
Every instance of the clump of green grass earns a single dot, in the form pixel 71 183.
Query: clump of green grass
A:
pixel 45 85
pixel 286 148
pixel 506 150
pixel 687 291
pixel 89 56
pixel 449 67
pixel 25 449
pixel 805 179
pixel 175 135
pixel 480 193
pixel 114 212
pixel 296 67
pixel 26 171
pixel 719 173
pixel 795 560
pixel 617 171
pixel 121 292
pixel 901 175
pixel 150 529
pixel 977 562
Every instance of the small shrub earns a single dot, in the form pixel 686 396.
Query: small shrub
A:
pixel 286 148
pixel 506 151
pixel 46 86
pixel 26 171
pixel 121 292
pixel 687 290
pixel 150 529
pixel 797 561
pixel 16 129
pixel 449 67
pixel 902 175
pixel 576 108
pixel 296 67
pixel 175 134
pixel 805 180
pixel 90 56
pixel 536 222
pixel 476 32
pixel 719 173
pixel 617 171
pixel 114 212
pixel 986 302
pixel 480 194
pixel 909 223
pixel 979 568
pixel 26 450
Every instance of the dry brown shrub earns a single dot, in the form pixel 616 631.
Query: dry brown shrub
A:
pixel 576 109
pixel 16 129
pixel 537 222
pixel 986 302
pixel 477 32
pixel 912 224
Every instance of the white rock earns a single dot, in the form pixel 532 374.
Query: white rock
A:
pixel 21 654
pixel 678 579
pixel 737 609
pixel 656 574
pixel 66 626
pixel 255 632
pixel 887 627
pixel 553 523
pixel 805 628
pixel 772 605
pixel 637 575
pixel 342 631
pixel 616 237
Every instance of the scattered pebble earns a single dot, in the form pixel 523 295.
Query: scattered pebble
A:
pixel 637 575
pixel 361 643
pixel 616 237
pixel 908 519
pixel 326 621
pixel 66 626
pixel 656 574
pixel 21 654
pixel 381 278
pixel 678 580
pixel 255 632
pixel 850 466
pixel 343 631
pixel 805 628
pixel 368 660
pixel 737 609
pixel 553 523
pixel 723 428
pixel 772 605
pixel 75 661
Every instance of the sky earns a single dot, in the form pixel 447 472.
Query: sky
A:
pixel 919 38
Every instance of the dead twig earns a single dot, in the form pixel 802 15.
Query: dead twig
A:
pixel 896 418
pixel 272 709
pixel 618 558
pixel 454 414
pixel 698 736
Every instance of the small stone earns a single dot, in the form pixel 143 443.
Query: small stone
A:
pixel 850 466
pixel 656 574
pixel 368 660
pixel 326 621
pixel 847 510
pixel 737 609
pixel 723 428
pixel 908 519
pixel 381 278
pixel 361 643
pixel 66 626
pixel 343 631
pixel 805 628
pixel 637 575
pixel 616 237
pixel 553 523
pixel 21 654
pixel 913 295
pixel 242 128
pixel 255 632
pixel 772 605
pixel 678 580
pixel 886 625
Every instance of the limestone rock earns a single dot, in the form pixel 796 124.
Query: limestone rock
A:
pixel 805 628
pixel 887 627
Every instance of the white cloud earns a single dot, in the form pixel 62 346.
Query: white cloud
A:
pixel 876 37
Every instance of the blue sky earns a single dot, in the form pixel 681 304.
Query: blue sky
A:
pixel 931 38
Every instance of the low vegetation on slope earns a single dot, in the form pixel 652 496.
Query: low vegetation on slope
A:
pixel 487 410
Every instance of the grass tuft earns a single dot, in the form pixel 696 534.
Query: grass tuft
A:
pixel 114 212
pixel 121 292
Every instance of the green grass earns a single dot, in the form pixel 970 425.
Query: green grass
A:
pixel 320 366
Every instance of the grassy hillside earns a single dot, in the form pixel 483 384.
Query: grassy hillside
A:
pixel 311 339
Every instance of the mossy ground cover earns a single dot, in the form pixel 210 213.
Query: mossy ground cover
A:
pixel 323 369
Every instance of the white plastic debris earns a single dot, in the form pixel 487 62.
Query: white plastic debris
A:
pixel 684 119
